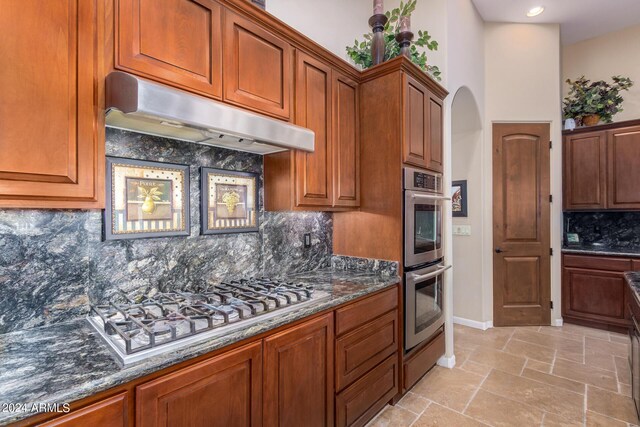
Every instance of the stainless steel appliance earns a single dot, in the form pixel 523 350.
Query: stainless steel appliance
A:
pixel 143 106
pixel 423 202
pixel 424 304
pixel 137 329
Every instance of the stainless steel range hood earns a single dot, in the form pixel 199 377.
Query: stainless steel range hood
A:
pixel 142 106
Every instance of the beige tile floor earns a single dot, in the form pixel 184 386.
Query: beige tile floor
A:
pixel 525 376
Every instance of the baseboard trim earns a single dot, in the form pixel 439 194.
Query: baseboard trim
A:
pixel 473 323
pixel 558 322
pixel 447 362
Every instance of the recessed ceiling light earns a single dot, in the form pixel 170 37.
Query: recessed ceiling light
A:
pixel 535 11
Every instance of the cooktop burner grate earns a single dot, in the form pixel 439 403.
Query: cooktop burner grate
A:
pixel 138 328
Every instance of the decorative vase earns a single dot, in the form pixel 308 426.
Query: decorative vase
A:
pixel 591 120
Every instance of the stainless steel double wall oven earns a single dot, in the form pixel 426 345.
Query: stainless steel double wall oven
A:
pixel 423 255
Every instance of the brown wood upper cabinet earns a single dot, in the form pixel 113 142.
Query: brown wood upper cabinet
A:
pixel 326 101
pixel 585 171
pixel 226 389
pixel 52 129
pixel 257 67
pixel 422 126
pixel 178 42
pixel 600 169
pixel 298 375
pixel 624 168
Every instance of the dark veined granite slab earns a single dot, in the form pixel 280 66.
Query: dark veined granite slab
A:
pixel 68 361
pixel 629 252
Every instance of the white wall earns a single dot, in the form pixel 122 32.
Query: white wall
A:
pixel 465 82
pixel 612 54
pixel 522 85
pixel 333 24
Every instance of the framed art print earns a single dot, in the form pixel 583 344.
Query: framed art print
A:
pixel 146 199
pixel 229 201
pixel 459 198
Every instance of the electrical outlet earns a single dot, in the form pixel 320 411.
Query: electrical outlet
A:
pixel 462 230
pixel 307 240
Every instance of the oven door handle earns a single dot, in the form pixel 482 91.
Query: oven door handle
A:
pixel 429 197
pixel 441 269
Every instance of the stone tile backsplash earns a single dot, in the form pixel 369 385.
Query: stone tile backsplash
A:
pixel 53 263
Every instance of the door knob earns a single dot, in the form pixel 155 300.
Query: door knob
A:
pixel 499 251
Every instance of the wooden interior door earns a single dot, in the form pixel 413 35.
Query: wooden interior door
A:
pixel 624 173
pixel 51 125
pixel 585 171
pixel 225 391
pixel 521 224
pixel 313 171
pixel 257 67
pixel 178 42
pixel 346 142
pixel 298 375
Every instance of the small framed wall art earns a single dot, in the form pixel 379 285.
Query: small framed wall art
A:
pixel 146 199
pixel 229 201
pixel 459 198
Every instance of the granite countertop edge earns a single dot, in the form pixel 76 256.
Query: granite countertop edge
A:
pixel 626 252
pixel 103 372
pixel 633 279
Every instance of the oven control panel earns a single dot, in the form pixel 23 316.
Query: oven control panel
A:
pixel 416 179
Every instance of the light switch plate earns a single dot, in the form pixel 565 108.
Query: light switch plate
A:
pixel 462 230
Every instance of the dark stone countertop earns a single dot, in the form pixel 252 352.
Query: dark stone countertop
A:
pixel 633 279
pixel 68 361
pixel 629 252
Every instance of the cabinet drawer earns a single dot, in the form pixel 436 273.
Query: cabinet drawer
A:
pixel 419 363
pixel 359 403
pixel 111 412
pixel 361 312
pixel 365 347
pixel 597 263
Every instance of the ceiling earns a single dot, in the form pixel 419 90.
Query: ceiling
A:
pixel 579 19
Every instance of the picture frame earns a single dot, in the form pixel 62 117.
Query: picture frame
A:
pixel 146 199
pixel 229 201
pixel 459 206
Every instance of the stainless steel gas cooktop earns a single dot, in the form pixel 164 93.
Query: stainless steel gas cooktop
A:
pixel 164 322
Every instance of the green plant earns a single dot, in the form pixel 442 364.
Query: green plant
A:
pixel 360 52
pixel 586 97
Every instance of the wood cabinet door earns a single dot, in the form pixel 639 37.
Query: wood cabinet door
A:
pixel 415 117
pixel 298 375
pixel 51 126
pixel 223 391
pixel 436 138
pixel 585 171
pixel 594 296
pixel 110 412
pixel 624 168
pixel 178 42
pixel 257 67
pixel 313 171
pixel 636 265
pixel 346 141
